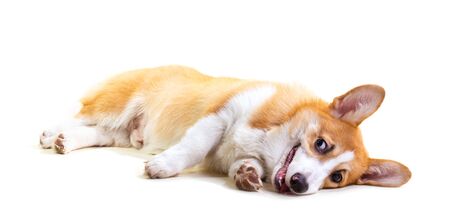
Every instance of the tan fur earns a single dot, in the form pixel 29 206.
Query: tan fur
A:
pixel 175 98
pixel 282 106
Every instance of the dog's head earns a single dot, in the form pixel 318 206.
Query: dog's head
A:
pixel 321 146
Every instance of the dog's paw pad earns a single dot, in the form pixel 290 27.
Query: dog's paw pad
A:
pixel 247 178
pixel 59 144
pixel 157 168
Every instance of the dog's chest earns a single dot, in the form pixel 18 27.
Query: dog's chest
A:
pixel 238 143
pixel 239 139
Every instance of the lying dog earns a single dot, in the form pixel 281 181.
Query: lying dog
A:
pixel 250 130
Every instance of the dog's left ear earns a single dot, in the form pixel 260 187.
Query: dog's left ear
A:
pixel 386 173
pixel 357 104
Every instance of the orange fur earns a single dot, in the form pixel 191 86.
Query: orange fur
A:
pixel 282 106
pixel 175 98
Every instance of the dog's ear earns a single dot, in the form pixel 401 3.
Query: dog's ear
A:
pixel 386 173
pixel 357 104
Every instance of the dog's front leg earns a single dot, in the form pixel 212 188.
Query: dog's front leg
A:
pixel 247 174
pixel 191 150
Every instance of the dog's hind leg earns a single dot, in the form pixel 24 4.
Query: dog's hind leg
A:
pixel 82 136
pixel 108 115
pixel 49 136
pixel 75 134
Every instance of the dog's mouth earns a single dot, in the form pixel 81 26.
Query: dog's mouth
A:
pixel 280 176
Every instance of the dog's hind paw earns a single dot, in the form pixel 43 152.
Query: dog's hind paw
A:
pixel 59 144
pixel 247 178
pixel 47 139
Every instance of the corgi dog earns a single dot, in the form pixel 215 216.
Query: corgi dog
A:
pixel 253 131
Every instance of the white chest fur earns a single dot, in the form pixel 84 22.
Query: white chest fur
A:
pixel 239 139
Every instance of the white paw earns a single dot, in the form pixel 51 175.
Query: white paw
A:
pixel 160 167
pixel 47 139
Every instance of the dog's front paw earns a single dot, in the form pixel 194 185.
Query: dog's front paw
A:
pixel 160 167
pixel 247 178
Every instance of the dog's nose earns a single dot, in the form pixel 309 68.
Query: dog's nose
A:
pixel 298 183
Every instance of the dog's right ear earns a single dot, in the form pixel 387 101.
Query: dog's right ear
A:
pixel 357 104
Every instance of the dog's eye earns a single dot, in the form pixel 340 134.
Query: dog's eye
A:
pixel 336 177
pixel 322 146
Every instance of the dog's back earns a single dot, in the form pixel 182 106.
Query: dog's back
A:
pixel 156 106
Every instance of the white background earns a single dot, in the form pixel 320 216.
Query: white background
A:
pixel 51 52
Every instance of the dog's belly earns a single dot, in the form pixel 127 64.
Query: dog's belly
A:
pixel 153 141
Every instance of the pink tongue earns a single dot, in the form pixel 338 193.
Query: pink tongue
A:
pixel 280 179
